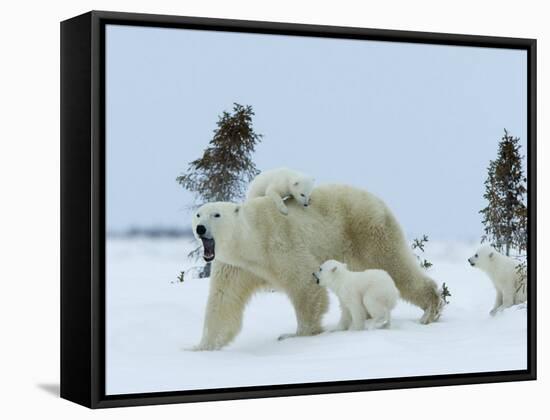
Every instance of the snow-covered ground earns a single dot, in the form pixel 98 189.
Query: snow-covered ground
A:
pixel 152 319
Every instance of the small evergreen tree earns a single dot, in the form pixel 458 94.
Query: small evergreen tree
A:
pixel 505 217
pixel 226 167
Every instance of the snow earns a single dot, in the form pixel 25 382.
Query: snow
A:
pixel 152 319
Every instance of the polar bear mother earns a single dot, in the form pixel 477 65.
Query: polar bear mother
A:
pixel 253 246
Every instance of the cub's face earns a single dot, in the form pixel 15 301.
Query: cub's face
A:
pixel 482 257
pixel 211 222
pixel 327 270
pixel 300 189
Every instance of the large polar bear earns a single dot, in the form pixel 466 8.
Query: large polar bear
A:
pixel 280 183
pixel 369 293
pixel 253 247
pixel 503 272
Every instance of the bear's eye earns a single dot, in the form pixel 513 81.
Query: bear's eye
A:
pixel 475 255
pixel 217 215
pixel 198 215
pixel 320 269
pixel 303 195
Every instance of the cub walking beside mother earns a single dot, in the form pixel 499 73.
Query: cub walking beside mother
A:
pixel 364 295
pixel 279 184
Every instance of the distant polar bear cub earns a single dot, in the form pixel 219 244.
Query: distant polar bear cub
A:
pixel 280 183
pixel 503 272
pixel 363 294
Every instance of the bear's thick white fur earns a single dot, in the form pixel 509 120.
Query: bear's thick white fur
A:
pixel 254 247
pixel 503 272
pixel 280 183
pixel 369 294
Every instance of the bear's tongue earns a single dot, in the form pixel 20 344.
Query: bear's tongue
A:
pixel 209 246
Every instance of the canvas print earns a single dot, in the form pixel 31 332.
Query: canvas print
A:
pixel 291 209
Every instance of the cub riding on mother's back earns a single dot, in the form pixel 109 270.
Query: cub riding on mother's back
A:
pixel 281 183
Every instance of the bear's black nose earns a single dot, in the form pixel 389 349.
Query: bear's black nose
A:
pixel 201 230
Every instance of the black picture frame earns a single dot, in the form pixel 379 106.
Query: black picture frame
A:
pixel 83 209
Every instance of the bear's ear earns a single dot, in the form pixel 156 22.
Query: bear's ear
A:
pixel 333 269
pixel 491 254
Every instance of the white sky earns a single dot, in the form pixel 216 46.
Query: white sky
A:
pixel 415 124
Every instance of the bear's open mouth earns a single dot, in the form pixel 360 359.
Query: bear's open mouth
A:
pixel 209 249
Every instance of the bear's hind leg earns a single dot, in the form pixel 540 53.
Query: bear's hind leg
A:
pixel 433 312
pixel 395 256
pixel 420 290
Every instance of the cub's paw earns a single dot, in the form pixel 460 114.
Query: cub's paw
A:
pixel 357 327
pixel 284 210
pixel 340 327
pixel 336 329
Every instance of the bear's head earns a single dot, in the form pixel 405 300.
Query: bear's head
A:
pixel 211 223
pixel 483 257
pixel 328 271
pixel 300 189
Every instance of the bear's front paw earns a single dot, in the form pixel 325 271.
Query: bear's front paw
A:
pixel 285 336
pixel 203 347
pixel 495 311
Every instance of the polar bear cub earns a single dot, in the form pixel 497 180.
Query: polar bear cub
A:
pixel 362 294
pixel 503 272
pixel 280 183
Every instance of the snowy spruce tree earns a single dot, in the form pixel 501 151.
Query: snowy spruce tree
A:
pixel 224 170
pixel 505 216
